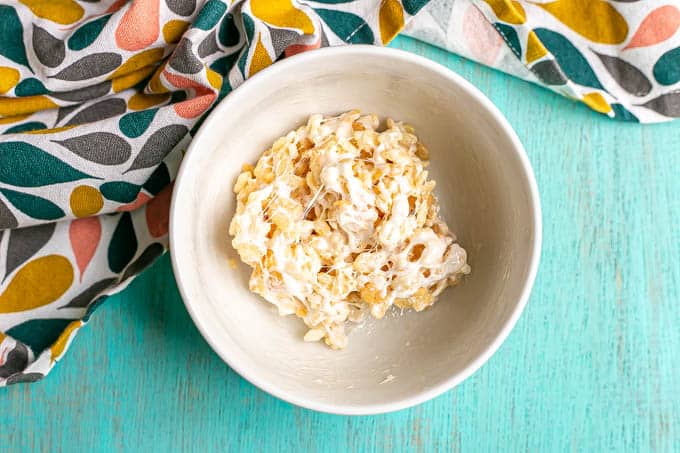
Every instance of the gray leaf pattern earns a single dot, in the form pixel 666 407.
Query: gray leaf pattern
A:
pixel 49 50
pixel 7 219
pixel 63 112
pixel 103 148
pixel 99 111
pixel 208 46
pixel 282 38
pixel 24 243
pixel 84 299
pixel 181 7
pixel 666 104
pixel 184 60
pixel 92 92
pixel 549 73
pixel 628 76
pixel 16 360
pixel 147 257
pixel 90 66
pixel 158 145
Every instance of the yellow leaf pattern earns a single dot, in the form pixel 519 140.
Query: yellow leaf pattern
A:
pixel 9 77
pixel 60 11
pixel 173 30
pixel 38 283
pixel 22 106
pixel 509 11
pixel 139 60
pixel 282 13
pixel 129 80
pixel 597 102
pixel 59 346
pixel 596 20
pixel 260 59
pixel 391 20
pixel 535 48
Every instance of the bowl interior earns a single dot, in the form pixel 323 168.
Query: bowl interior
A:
pixel 485 195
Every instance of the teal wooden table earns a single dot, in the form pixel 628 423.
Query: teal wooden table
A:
pixel 593 364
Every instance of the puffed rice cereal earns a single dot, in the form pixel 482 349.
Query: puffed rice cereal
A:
pixel 338 219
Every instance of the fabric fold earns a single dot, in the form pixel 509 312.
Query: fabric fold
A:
pixel 99 102
pixel 620 58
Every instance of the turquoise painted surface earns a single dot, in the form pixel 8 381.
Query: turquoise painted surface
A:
pixel 593 364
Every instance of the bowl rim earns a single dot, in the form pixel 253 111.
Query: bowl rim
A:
pixel 419 396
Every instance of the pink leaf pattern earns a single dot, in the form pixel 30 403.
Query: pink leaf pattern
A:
pixel 139 26
pixel 84 235
pixel 295 49
pixel 483 41
pixel 658 26
pixel 140 201
pixel 158 213
pixel 191 108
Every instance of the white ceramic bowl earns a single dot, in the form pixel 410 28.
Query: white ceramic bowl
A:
pixel 488 197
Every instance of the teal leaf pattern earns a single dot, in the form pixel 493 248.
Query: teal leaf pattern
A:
pixel 33 206
pixel 210 14
pixel 25 165
pixel 88 33
pixel 511 38
pixel 30 87
pixel 120 191
pixel 249 27
pixel 347 26
pixel 572 62
pixel 412 6
pixel 229 35
pixel 136 123
pixel 93 306
pixel 123 245
pixel 222 65
pixel 158 180
pixel 26 127
pixel 12 36
pixel 620 113
pixel 667 68
pixel 38 334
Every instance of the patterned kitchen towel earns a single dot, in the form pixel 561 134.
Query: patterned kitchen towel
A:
pixel 99 99
pixel 619 57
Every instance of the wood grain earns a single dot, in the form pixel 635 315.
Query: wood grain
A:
pixel 593 364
